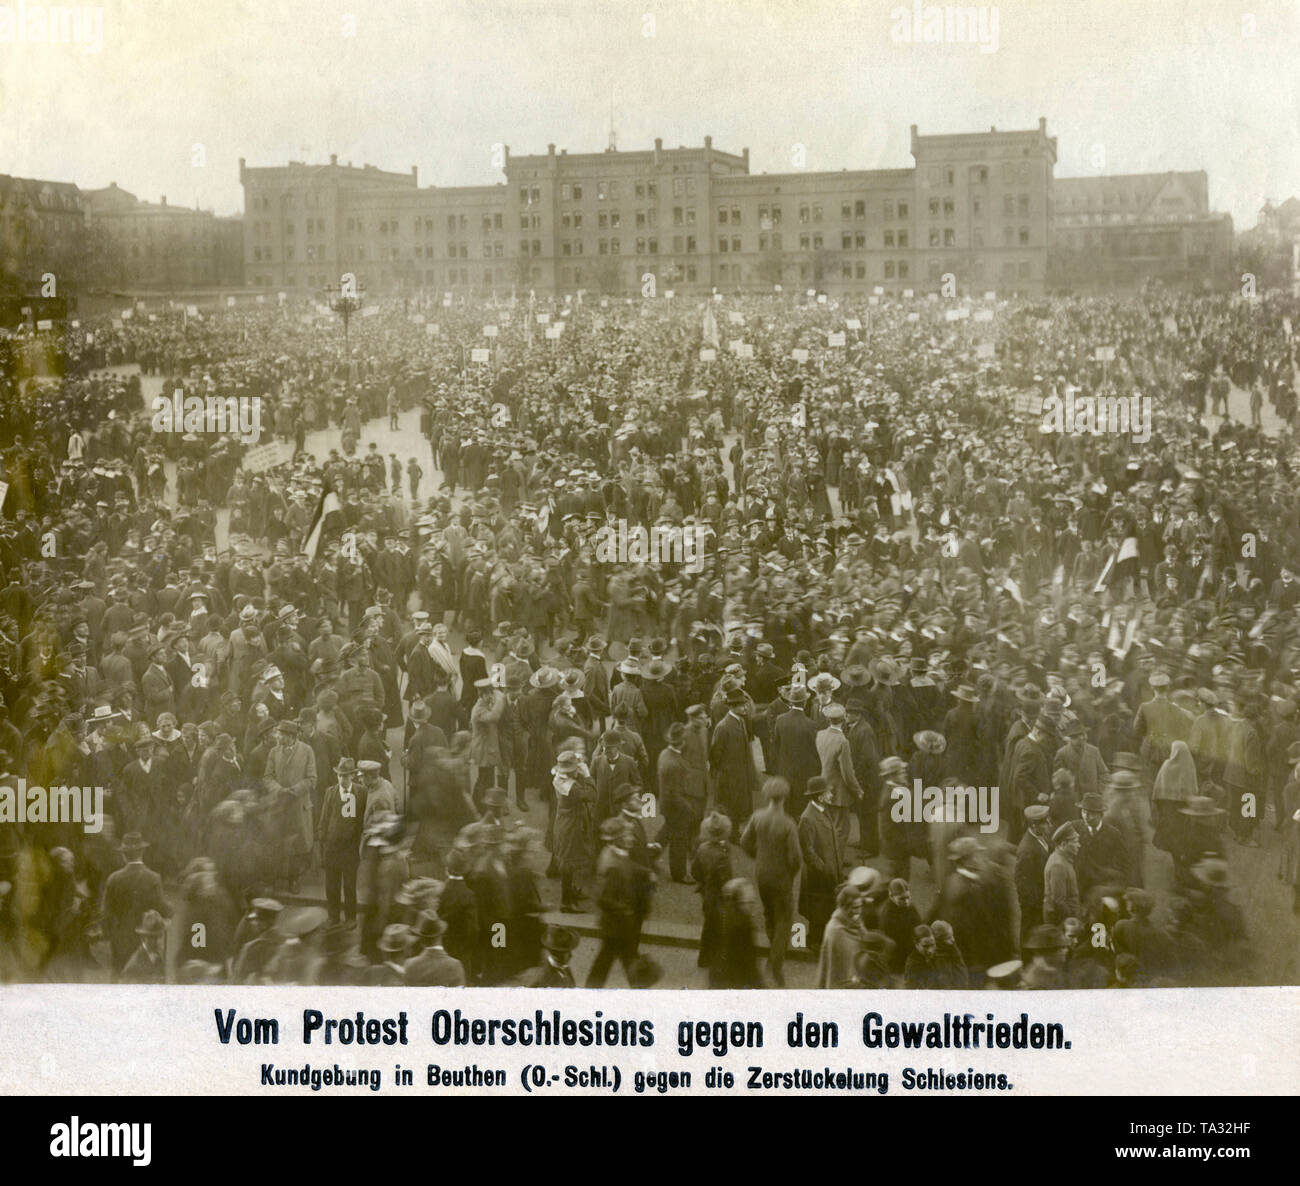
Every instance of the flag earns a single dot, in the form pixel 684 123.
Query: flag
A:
pixel 710 331
pixel 330 508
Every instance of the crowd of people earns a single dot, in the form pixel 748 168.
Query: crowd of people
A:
pixel 413 688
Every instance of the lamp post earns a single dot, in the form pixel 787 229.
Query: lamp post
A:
pixel 345 299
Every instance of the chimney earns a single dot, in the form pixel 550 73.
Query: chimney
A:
pixel 550 150
pixel 708 141
pixel 415 175
pixel 334 158
pixel 744 153
pixel 164 199
pixel 1042 124
pixel 241 169
pixel 659 147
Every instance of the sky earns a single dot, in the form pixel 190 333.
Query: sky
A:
pixel 164 96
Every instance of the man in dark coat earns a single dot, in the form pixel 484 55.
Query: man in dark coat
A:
pixel 794 747
pixel 682 795
pixel 128 893
pixel 731 760
pixel 458 908
pixel 338 830
pixel 433 967
pixel 1103 858
pixel 1031 775
pixel 823 859
pixel 1031 860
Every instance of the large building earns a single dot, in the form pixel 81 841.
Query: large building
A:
pixel 976 212
pixel 1119 231
pixel 42 234
pixel 154 246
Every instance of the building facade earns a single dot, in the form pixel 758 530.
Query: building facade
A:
pixel 42 234
pixel 977 212
pixel 154 246
pixel 1119 231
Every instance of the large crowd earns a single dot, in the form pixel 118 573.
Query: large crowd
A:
pixel 415 690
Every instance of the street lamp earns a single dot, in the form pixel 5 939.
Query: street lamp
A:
pixel 345 298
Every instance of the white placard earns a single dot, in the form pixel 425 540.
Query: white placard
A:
pixel 90 339
pixel 983 314
pixel 432 329
pixel 480 354
pixel 489 331
pixel 446 301
pixel 45 323
pixel 990 295
pixel 708 354
pixel 984 350
pixel 736 318
pixel 853 323
pixel 117 323
pixel 821 298
pixel 4 489
pixel 745 350
pixel 604 304
pixel 1105 354
pixel 261 300
pixel 668 296
pixel 799 354
pixel 812 292
pixel 281 297
pixel 268 456
pixel 908 292
pixel 417 318
pixel 963 312
pixel 1171 326
pixel 191 310
pixel 873 300
pixel 878 291
pixel 543 318
pixel 552 332
pixel 932 296
pixel 777 288
pixel 914 317
pixel 127 314
pixel 836 339
pixel 951 315
pixel 230 302
pixel 75 324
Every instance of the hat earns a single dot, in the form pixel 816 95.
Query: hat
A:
pixel 429 927
pixel 737 696
pixel 1035 812
pixel 300 921
pixel 567 760
pixel 544 677
pixel 134 842
pixel 794 693
pixel 967 693
pixel 1046 937
pixel 151 924
pixel 397 937
pixel 1007 972
pixel 834 711
pixel 1064 832
pixel 1092 803
pixel 345 766
pixel 265 906
pixel 629 666
pixel 1201 805
pixel 367 766
pixel 865 879
pixel 272 672
pixel 1207 696
pixel 595 645
pixel 656 669
pixel 855 675
pixel 930 742
pixel 1158 679
pixel 823 681
pixel 560 940
pixel 248 613
pixel 1211 871
pixel 886 671
pixel 697 710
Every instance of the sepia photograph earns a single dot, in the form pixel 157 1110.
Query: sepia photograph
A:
pixel 675 494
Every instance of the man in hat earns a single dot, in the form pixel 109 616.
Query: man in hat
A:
pixel 148 965
pixel 296 959
pixel 432 967
pixel 458 908
pixel 1080 757
pixel 682 799
pixel 290 776
pixel 838 770
pixel 1031 771
pixel 731 762
pixel 794 746
pixel 339 832
pixel 1047 947
pixel 772 838
pixel 1159 723
pixel 1103 858
pixel 128 894
pixel 394 944
pixel 558 945
pixel 1060 882
pixel 624 902
pixel 1031 862
pixel 595 684
pixel 823 858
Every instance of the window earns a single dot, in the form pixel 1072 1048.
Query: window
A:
pixel 977 207
pixel 1024 236
pixel 577 221
pixel 537 247
pixel 762 242
pixel 977 236
pixel 690 243
pixel 640 189
pixel 803 242
pixel 934 269
pixel 1008 204
pixel 948 176
pixel 690 273
pixel 566 192
pixel 690 187
pixel 577 192
pixel 776 240
pixel 934 207
pixel 804 214
pixel 889 238
pixel 846 271
pixel 860 209
pixel 722 216
pixel 602 191
pixel 523 246
pixel 949 237
pixel 566 221
pixel 652 189
pixel 654 246
pixel 846 241
pixel 690 215
pixel 722 244
pixel 934 236
pixel 860 270
pixel 677 216
pixel 640 247
pixel 859 240
pixel 496 222
pixel 535 194
pixel 817 214
pixel 677 244
pixel 615 219
pixel 1022 269
pixel 888 209
pixel 613 191
pixel 846 211
pixel 735 216
pixel 735 243
pixel 982 175
pixel 677 187
pixel 602 220
pixel 487 223
pixel 523 195
pixel 764 215
pixel 652 216
pixel 889 269
pixel 902 269
pixel 1022 205
pixel 776 215
pixel 615 246
pixel 948 208
pixel 487 250
pixel 1007 236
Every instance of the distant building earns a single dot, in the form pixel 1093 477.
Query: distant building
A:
pixel 155 246
pixel 1119 231
pixel 42 232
